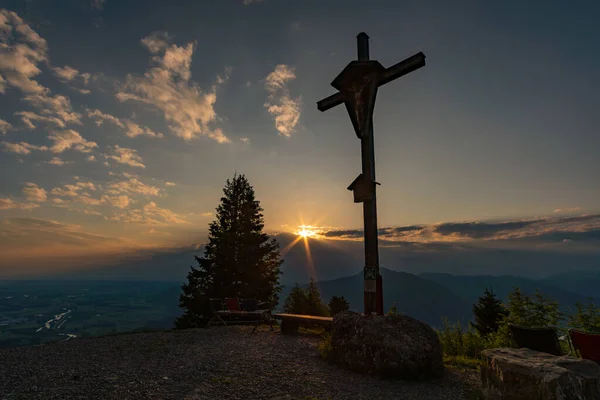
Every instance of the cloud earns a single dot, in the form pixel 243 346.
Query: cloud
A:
pixel 169 184
pixel 28 116
pixel 167 86
pixel 69 139
pixel 133 186
pixel 132 129
pixel 71 75
pixel 34 193
pixel 122 201
pixel 91 158
pixel 25 232
pixel 248 2
pixel 21 50
pixel 57 161
pixel 567 210
pixel 57 107
pixel 8 204
pixel 550 229
pixel 126 156
pixel 280 104
pixel 22 147
pixel 150 214
pixel 245 140
pixel 4 126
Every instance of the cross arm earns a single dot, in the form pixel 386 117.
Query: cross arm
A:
pixel 395 71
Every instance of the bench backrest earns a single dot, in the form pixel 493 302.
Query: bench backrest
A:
pixel 544 340
pixel 588 344
pixel 232 303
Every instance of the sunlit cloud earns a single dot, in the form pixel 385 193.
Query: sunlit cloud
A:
pixel 169 184
pixel 284 108
pixel 22 147
pixel 57 161
pixel 167 86
pixel 34 193
pixel 126 156
pixel 584 227
pixel 28 117
pixel 567 210
pixel 133 186
pixel 56 106
pixel 9 204
pixel 150 214
pixel 4 126
pixel 21 50
pixel 131 128
pixel 70 139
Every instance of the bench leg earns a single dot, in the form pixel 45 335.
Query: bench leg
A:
pixel 216 316
pixel 289 327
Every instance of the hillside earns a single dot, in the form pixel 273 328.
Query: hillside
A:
pixel 420 298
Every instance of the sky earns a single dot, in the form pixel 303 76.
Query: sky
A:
pixel 121 121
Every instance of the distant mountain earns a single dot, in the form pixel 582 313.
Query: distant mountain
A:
pixel 585 283
pixel 420 298
pixel 471 287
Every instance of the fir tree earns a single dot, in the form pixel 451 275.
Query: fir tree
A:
pixel 239 259
pixel 338 305
pixel 315 304
pixel 297 301
pixel 488 312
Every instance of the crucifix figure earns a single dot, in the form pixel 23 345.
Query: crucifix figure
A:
pixel 357 85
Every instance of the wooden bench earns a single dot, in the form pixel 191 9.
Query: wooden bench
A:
pixel 291 322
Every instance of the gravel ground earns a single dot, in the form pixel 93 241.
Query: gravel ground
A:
pixel 215 363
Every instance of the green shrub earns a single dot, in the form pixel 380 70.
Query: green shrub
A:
pixel 326 349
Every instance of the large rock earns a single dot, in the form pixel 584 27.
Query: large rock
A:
pixel 391 346
pixel 523 374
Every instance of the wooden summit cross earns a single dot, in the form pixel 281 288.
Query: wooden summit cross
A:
pixel 357 85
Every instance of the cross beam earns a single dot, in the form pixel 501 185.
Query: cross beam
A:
pixel 394 72
pixel 357 85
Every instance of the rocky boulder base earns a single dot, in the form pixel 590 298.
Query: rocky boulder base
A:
pixel 389 346
pixel 523 374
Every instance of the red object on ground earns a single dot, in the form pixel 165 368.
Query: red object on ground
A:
pixel 232 304
pixel 588 344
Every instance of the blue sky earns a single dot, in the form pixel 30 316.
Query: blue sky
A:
pixel 121 120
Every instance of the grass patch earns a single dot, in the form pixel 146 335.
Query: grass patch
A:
pixel 326 349
pixel 462 362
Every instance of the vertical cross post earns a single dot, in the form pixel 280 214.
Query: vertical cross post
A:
pixel 371 298
pixel 357 88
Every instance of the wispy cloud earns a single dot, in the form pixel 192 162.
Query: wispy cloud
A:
pixel 567 210
pixel 133 186
pixel 167 86
pixel 280 104
pixel 55 106
pixel 554 229
pixel 22 147
pixel 248 2
pixel 9 204
pixel 71 76
pixel 124 155
pixel 131 128
pixel 150 214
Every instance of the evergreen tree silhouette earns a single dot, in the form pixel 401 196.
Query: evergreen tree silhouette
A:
pixel 338 305
pixel 240 260
pixel 488 312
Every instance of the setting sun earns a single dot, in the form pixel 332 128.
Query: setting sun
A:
pixel 306 231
